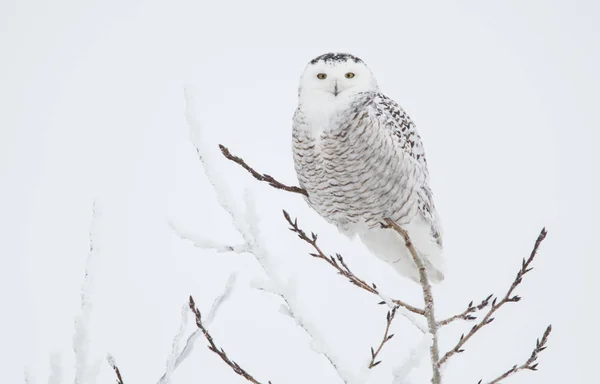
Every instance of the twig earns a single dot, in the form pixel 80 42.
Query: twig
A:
pixel 386 337
pixel 428 298
pixel 540 345
pixel 508 298
pixel 467 313
pixel 261 176
pixel 340 265
pixel 178 356
pixel 113 364
pixel 219 351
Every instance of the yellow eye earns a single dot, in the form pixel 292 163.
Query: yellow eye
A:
pixel 349 75
pixel 322 76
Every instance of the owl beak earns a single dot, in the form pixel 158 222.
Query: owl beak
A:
pixel 335 89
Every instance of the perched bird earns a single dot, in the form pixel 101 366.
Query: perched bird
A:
pixel 361 160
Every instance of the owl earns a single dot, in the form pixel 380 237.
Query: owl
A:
pixel 361 160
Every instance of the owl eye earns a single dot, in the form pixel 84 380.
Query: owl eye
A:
pixel 322 76
pixel 349 75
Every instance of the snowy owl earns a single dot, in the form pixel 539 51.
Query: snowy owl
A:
pixel 361 160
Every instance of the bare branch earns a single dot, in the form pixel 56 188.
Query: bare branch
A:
pixel 467 314
pixel 261 176
pixel 340 265
pixel 530 364
pixel 113 364
pixel 508 298
pixel 428 298
pixel 386 337
pixel 219 351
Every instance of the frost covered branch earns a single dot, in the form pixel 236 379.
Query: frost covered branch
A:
pixel 219 351
pixel 179 355
pixel 386 337
pixel 530 364
pixel 412 360
pixel 261 176
pixel 340 265
pixel 84 373
pixel 246 223
pixel 508 298
pixel 204 243
pixel 428 298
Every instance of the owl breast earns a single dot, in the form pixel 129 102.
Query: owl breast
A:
pixel 354 173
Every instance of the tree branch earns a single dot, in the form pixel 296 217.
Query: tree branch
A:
pixel 467 313
pixel 340 265
pixel 428 298
pixel 529 364
pixel 261 176
pixel 508 298
pixel 386 337
pixel 219 351
pixel 113 364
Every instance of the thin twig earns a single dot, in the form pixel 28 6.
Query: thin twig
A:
pixel 113 364
pixel 261 176
pixel 219 351
pixel 530 364
pixel 508 298
pixel 428 298
pixel 467 314
pixel 386 337
pixel 340 265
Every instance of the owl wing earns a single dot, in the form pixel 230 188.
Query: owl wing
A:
pixel 406 138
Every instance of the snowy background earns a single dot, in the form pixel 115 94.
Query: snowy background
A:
pixel 92 108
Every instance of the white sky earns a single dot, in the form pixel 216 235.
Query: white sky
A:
pixel 504 95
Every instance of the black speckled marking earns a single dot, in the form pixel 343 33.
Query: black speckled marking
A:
pixel 335 57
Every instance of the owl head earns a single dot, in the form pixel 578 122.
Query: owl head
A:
pixel 336 75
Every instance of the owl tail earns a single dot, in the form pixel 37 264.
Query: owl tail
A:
pixel 390 247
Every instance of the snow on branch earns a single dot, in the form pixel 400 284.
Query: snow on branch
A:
pixel 204 243
pixel 113 364
pixel 81 338
pixel 179 355
pixel 412 360
pixel 246 223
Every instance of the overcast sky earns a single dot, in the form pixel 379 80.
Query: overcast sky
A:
pixel 505 96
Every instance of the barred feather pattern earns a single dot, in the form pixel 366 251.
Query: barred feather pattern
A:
pixel 366 165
